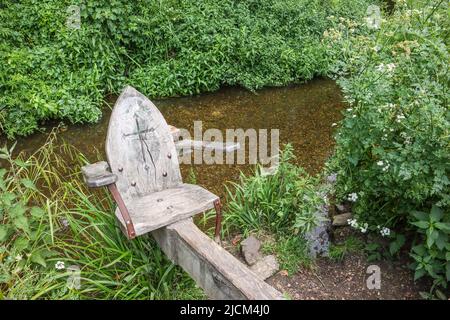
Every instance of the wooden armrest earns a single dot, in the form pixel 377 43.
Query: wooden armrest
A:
pixel 98 174
pixel 188 145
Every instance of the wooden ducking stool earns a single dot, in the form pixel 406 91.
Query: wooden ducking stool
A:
pixel 144 178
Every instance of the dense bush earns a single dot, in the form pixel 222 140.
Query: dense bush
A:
pixel 393 152
pixel 164 48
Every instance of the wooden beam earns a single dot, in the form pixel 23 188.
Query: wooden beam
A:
pixel 215 270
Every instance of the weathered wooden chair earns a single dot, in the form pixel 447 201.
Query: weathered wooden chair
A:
pixel 144 178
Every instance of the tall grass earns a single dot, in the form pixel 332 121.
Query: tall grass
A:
pixel 77 226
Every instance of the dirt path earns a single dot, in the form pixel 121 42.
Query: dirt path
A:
pixel 347 280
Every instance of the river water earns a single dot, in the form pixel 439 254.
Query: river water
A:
pixel 304 114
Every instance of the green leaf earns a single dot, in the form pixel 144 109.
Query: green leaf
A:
pixel 7 198
pixel 37 212
pixel 419 215
pixel 21 243
pixel 432 235
pixel 4 228
pixel 436 213
pixel 441 240
pixel 443 226
pixel 396 245
pixel 421 224
pixel 17 210
pixel 21 222
pixel 27 183
pixel 419 274
pixel 37 258
pixel 419 249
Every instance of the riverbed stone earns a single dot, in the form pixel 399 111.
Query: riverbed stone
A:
pixel 250 250
pixel 341 219
pixel 266 267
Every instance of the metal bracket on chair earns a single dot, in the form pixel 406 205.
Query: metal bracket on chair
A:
pixel 99 175
pixel 218 207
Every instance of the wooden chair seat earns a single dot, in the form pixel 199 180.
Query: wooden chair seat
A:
pixel 164 207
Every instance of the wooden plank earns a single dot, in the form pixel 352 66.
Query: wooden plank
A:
pixel 188 145
pixel 98 174
pixel 140 147
pixel 214 269
pixel 162 208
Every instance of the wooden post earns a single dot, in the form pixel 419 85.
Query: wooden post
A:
pixel 214 269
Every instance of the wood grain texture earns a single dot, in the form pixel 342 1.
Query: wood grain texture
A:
pixel 162 208
pixel 98 174
pixel 140 147
pixel 214 269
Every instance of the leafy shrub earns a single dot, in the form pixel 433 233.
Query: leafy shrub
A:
pixel 283 203
pixel 392 146
pixel 163 48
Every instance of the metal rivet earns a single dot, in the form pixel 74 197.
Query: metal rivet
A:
pixel 164 174
pixel 133 183
pixel 120 169
pixel 169 156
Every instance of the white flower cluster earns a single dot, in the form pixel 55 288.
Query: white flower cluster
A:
pixel 384 231
pixel 352 197
pixel 60 265
pixel 400 117
pixel 384 164
pixel 362 227
pixel 390 67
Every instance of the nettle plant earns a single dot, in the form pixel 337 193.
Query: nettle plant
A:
pixel 24 237
pixel 392 145
pixel 433 256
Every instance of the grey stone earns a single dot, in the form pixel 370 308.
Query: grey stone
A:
pixel 341 219
pixel 318 239
pixel 250 250
pixel 340 207
pixel 266 267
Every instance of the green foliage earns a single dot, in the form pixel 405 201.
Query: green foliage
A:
pixel 291 252
pixel 163 48
pixel 285 202
pixel 338 251
pixel 393 144
pixel 432 254
pixel 63 222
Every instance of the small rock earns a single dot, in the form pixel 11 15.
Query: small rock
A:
pixel 266 267
pixel 341 219
pixel 250 250
pixel 340 207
